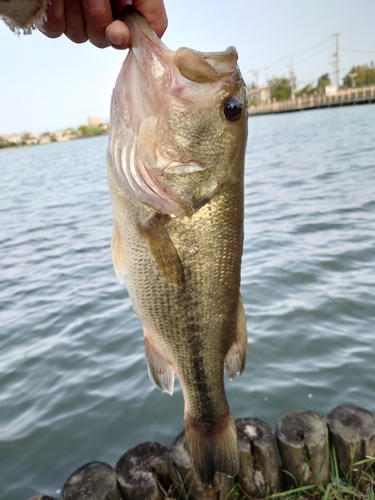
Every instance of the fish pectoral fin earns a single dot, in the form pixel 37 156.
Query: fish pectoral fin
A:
pixel 235 358
pixel 163 250
pixel 160 371
pixel 117 252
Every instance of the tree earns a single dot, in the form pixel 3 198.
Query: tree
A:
pixel 359 76
pixel 280 88
pixel 89 130
pixel 323 81
pixel 307 90
pixel 320 88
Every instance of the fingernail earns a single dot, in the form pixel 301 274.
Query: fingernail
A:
pixel 115 38
pixel 58 9
pixel 96 4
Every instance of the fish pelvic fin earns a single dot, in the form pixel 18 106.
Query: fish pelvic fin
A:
pixel 212 448
pixel 160 370
pixel 117 252
pixel 235 358
pixel 163 250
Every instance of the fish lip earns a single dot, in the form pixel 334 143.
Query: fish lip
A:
pixel 135 21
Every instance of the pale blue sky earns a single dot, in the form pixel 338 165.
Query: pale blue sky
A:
pixel 49 85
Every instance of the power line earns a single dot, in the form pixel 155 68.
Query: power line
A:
pixel 364 51
pixel 278 61
pixel 314 55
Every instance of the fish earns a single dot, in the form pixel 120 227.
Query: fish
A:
pixel 175 169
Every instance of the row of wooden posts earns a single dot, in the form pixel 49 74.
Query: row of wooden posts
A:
pixel 360 95
pixel 297 454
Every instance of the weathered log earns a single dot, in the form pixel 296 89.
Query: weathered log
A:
pixel 93 481
pixel 143 472
pixel 42 497
pixel 302 438
pixel 259 472
pixel 352 431
pixel 186 481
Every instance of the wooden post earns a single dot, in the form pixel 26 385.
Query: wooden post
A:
pixel 94 481
pixel 186 481
pixel 302 438
pixel 259 473
pixel 143 472
pixel 42 497
pixel 352 431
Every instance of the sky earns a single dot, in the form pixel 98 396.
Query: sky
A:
pixel 52 84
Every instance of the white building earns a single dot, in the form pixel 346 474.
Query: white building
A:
pixel 259 96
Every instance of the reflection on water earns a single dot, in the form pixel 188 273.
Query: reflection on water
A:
pixel 74 385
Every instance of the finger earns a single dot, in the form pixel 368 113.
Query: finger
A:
pixel 154 12
pixel 118 35
pixel 118 7
pixel 98 15
pixel 75 21
pixel 53 25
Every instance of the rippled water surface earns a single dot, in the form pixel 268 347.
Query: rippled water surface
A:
pixel 74 385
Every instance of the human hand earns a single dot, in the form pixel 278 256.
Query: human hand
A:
pixel 99 20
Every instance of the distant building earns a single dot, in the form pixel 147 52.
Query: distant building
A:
pixel 94 121
pixel 12 139
pixel 333 89
pixel 259 96
pixel 29 139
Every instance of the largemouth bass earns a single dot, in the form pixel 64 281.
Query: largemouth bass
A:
pixel 175 165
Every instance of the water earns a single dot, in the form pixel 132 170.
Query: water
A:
pixel 74 385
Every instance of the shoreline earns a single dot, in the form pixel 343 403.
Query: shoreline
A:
pixel 17 140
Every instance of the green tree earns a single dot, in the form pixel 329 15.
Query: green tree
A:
pixel 359 76
pixel 307 90
pixel 89 130
pixel 323 81
pixel 280 88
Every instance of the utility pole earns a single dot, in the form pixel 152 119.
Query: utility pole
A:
pixel 336 60
pixel 352 77
pixel 292 80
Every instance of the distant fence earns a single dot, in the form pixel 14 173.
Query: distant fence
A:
pixel 360 95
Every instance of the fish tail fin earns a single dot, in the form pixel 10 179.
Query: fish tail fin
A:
pixel 212 448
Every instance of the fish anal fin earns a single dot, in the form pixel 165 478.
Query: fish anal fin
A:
pixel 160 371
pixel 235 358
pixel 212 448
pixel 117 252
pixel 163 250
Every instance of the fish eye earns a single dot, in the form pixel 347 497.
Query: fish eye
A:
pixel 232 108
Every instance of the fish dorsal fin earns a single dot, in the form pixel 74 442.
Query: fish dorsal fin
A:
pixel 160 371
pixel 163 250
pixel 117 252
pixel 236 356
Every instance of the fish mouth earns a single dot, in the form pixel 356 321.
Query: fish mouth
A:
pixel 195 66
pixel 201 67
